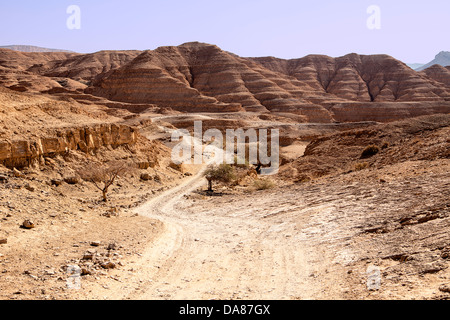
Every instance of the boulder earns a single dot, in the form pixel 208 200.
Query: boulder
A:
pixel 108 265
pixel 146 176
pixel 72 180
pixel 89 254
pixel 444 288
pixel 27 224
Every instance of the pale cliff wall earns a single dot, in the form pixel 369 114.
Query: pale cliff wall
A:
pixel 24 153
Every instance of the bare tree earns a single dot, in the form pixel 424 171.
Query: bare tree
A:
pixel 103 175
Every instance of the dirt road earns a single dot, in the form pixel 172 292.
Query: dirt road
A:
pixel 216 254
pixel 309 241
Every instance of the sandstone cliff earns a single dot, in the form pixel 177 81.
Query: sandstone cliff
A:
pixel 36 126
pixel 24 153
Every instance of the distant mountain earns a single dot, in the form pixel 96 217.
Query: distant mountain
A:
pixel 415 66
pixel 23 48
pixel 443 59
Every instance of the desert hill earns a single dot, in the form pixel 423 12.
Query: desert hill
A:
pixel 417 139
pixel 199 77
pixel 356 188
pixel 14 74
pixel 438 73
pixel 86 66
pixel 374 78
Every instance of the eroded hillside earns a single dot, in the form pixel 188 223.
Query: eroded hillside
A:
pixel 198 77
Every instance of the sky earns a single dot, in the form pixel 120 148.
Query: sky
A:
pixel 411 31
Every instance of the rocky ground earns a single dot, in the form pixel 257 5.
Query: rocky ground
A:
pixel 374 232
pixel 313 240
pixel 49 224
pixel 357 211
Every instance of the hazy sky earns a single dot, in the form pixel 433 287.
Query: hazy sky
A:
pixel 412 31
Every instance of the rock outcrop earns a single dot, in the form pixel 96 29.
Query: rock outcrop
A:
pixel 24 153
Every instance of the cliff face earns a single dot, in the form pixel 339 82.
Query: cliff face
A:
pixel 36 126
pixel 24 153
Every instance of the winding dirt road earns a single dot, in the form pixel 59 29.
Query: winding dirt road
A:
pixel 220 254
pixel 225 248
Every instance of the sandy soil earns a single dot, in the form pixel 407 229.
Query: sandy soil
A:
pixel 212 254
pixel 168 240
pixel 307 241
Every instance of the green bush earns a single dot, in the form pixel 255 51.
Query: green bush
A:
pixel 220 173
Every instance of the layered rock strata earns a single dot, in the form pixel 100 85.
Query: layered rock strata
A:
pixel 24 153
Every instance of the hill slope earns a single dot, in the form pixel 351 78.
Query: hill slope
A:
pixel 199 77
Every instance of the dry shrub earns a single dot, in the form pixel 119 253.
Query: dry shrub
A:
pixel 361 166
pixel 301 178
pixel 104 175
pixel 264 184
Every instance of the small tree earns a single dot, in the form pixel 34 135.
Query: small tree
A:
pixel 103 176
pixel 221 173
